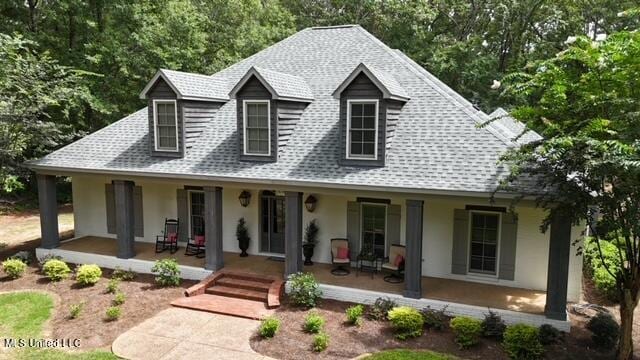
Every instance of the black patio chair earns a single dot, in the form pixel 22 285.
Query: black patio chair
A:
pixel 169 238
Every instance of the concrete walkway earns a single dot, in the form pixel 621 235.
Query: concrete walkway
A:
pixel 177 333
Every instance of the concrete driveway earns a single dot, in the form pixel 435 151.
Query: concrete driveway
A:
pixel 177 333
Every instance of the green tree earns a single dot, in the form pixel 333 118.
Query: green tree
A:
pixel 586 104
pixel 39 102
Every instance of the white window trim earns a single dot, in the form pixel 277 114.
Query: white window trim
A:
pixel 190 205
pixel 348 134
pixel 386 227
pixel 498 240
pixel 155 124
pixel 244 125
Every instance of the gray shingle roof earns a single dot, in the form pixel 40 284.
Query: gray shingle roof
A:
pixel 385 81
pixel 281 85
pixel 192 86
pixel 437 145
pixel 516 130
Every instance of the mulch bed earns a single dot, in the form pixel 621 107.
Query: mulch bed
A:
pixel 143 300
pixel 347 341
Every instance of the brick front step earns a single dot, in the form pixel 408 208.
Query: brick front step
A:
pixel 232 282
pixel 237 293
pixel 225 305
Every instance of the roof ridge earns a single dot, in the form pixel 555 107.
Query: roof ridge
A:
pixel 430 82
pixel 333 27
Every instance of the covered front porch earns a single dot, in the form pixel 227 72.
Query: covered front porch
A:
pixel 446 290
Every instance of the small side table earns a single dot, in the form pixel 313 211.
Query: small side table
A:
pixel 368 263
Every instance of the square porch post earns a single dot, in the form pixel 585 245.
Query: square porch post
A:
pixel 213 228
pixel 48 211
pixel 413 260
pixel 125 221
pixel 293 232
pixel 558 268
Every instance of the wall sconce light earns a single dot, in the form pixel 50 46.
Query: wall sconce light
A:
pixel 310 203
pixel 245 198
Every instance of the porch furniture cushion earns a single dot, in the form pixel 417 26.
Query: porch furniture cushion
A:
pixel 172 237
pixel 341 261
pixel 199 240
pixel 343 253
pixel 398 260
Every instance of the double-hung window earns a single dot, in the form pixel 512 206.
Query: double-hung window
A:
pixel 257 127
pixel 484 242
pixel 165 117
pixel 362 129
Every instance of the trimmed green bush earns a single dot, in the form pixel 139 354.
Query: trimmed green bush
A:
pixel 467 330
pixel 407 322
pixel 119 299
pixel 74 310
pixel 167 272
pixel 435 319
pixel 354 314
pixel 380 309
pixel 604 283
pixel 313 323
pixel 521 342
pixel 14 268
pixel 493 326
pixel 123 275
pixel 112 286
pixel 56 270
pixel 304 289
pixel 605 331
pixel 113 313
pixel 88 275
pixel 548 335
pixel 269 327
pixel 320 342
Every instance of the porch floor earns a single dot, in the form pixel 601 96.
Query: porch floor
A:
pixel 464 292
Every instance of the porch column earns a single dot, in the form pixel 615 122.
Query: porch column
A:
pixel 48 211
pixel 293 232
pixel 413 260
pixel 213 228
pixel 125 221
pixel 558 268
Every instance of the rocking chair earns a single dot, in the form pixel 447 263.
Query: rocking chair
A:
pixel 195 246
pixel 169 237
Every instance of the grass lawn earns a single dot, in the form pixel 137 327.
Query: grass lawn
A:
pixel 23 314
pixel 409 355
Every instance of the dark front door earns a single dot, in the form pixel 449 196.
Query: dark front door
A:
pixel 272 223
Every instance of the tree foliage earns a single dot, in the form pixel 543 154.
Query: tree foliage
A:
pixel 585 102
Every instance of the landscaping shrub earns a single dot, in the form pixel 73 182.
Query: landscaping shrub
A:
pixel 43 260
pixel 88 274
pixel 320 342
pixel 380 309
pixel 113 313
pixel 548 335
pixel 167 272
pixel 56 270
pixel 14 268
pixel 493 326
pixel 123 275
pixel 119 299
pixel 467 330
pixel 435 319
pixel 112 286
pixel 604 283
pixel 521 342
pixel 25 256
pixel 313 323
pixel 406 321
pixel 605 331
pixel 354 314
pixel 269 327
pixel 74 310
pixel 304 289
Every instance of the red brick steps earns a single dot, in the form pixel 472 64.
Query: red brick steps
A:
pixel 234 293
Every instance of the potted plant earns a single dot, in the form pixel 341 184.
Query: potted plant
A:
pixel 242 233
pixel 310 237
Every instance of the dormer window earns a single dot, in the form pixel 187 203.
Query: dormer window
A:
pixel 165 121
pixel 257 127
pixel 362 128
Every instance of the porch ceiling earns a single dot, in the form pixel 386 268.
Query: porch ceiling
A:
pixel 471 293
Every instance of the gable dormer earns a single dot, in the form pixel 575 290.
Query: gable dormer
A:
pixel 370 105
pixel 179 106
pixel 269 104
